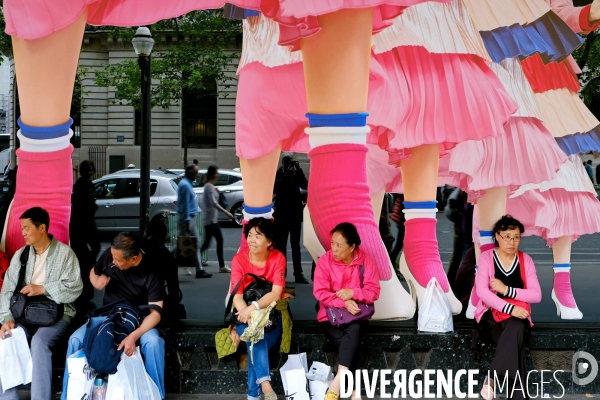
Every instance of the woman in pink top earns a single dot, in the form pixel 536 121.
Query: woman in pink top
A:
pixel 505 277
pixel 337 284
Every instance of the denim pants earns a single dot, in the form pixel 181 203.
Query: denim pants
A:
pixel 258 365
pixel 152 347
pixel 182 225
pixel 41 357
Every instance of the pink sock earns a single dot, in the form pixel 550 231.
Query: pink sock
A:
pixel 562 289
pixel 44 180
pixel 421 251
pixel 338 192
pixel 486 247
pixel 243 242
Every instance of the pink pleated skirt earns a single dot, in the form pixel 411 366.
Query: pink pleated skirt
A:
pixel 556 213
pixel 34 19
pixel 526 153
pixel 419 98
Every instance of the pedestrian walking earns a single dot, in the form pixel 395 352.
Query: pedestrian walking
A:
pixel 210 215
pixel 187 209
pixel 83 233
pixel 398 218
pixel 288 211
pixel 589 170
pixel 460 212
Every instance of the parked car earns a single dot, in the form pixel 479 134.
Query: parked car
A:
pixel 152 171
pixel 230 184
pixel 118 199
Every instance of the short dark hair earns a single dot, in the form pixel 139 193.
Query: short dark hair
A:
pixel 210 173
pixel 190 170
pixel 87 168
pixel 38 216
pixel 195 161
pixel 128 243
pixel 505 223
pixel 287 158
pixel 157 229
pixel 349 232
pixel 262 225
pixel 589 161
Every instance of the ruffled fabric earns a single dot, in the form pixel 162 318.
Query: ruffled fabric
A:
pixel 514 81
pixel 564 113
pixel 549 36
pixel 526 153
pixel 34 19
pixel 580 143
pixel 492 14
pixel 554 75
pixel 438 27
pixel 438 98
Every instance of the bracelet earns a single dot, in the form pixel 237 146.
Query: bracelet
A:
pixel 255 304
pixel 506 291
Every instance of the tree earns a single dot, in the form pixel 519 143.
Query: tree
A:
pixel 199 48
pixel 588 59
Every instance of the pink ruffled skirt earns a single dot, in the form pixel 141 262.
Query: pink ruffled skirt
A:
pixel 34 19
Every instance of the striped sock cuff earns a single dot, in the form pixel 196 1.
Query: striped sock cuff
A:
pixel 486 237
pixel 512 292
pixel 566 267
pixel 508 308
pixel 258 212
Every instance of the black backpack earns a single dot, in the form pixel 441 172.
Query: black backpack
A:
pixel 100 344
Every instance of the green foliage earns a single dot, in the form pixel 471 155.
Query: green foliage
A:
pixel 199 53
pixel 588 59
pixel 5 41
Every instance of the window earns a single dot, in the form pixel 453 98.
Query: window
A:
pixel 199 119
pixel 106 189
pixel 233 179
pixel 132 188
pixel 137 127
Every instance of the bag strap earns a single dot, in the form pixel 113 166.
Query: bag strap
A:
pixel 522 268
pixel 233 292
pixel 362 275
pixel 23 259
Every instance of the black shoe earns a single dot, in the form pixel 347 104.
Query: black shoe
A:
pixel 203 274
pixel 301 279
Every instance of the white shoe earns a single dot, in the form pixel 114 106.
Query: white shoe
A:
pixel 225 270
pixel 190 271
pixel 566 312
pixel 417 291
pixel 470 313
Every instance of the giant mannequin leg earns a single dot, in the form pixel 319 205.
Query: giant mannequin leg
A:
pixel 490 209
pixel 336 68
pixel 45 70
pixel 562 294
pixel 421 260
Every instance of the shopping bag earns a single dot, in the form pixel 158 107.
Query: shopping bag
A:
pixel 435 314
pixel 186 251
pixel 15 360
pixel 294 362
pixel 297 385
pixel 319 378
pixel 131 382
pixel 81 377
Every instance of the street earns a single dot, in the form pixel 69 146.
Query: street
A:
pixel 204 299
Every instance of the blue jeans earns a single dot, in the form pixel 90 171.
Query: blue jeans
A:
pixel 152 347
pixel 258 365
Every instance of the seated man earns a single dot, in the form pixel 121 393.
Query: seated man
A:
pixel 51 270
pixel 127 272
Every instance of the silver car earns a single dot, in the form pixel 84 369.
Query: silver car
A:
pixel 118 199
pixel 230 184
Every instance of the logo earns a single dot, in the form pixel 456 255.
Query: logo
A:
pixel 580 367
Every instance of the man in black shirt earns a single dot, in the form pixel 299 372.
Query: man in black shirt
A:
pixel 127 271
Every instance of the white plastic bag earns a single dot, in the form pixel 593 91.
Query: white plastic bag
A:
pixel 319 378
pixel 131 381
pixel 15 360
pixel 81 377
pixel 295 381
pixel 435 314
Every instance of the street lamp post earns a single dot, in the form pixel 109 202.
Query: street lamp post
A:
pixel 142 44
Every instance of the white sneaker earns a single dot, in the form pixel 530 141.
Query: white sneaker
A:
pixel 190 271
pixel 225 270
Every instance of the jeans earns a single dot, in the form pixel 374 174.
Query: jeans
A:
pixel 152 347
pixel 192 233
pixel 41 356
pixel 258 365
pixel 211 230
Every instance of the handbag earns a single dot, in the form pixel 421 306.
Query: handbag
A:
pixel 338 316
pixel 34 310
pixel 500 316
pixel 253 292
pixel 223 201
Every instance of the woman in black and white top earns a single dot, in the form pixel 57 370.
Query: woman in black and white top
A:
pixel 210 215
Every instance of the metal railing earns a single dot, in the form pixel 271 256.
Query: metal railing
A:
pixel 173 231
pixel 97 154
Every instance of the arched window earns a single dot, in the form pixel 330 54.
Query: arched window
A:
pixel 199 120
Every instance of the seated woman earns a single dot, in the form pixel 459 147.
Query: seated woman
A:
pixel 259 259
pixel 506 284
pixel 337 283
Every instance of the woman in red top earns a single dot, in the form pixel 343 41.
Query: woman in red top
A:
pixel 337 284
pixel 260 259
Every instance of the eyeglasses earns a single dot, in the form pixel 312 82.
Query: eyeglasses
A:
pixel 509 239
